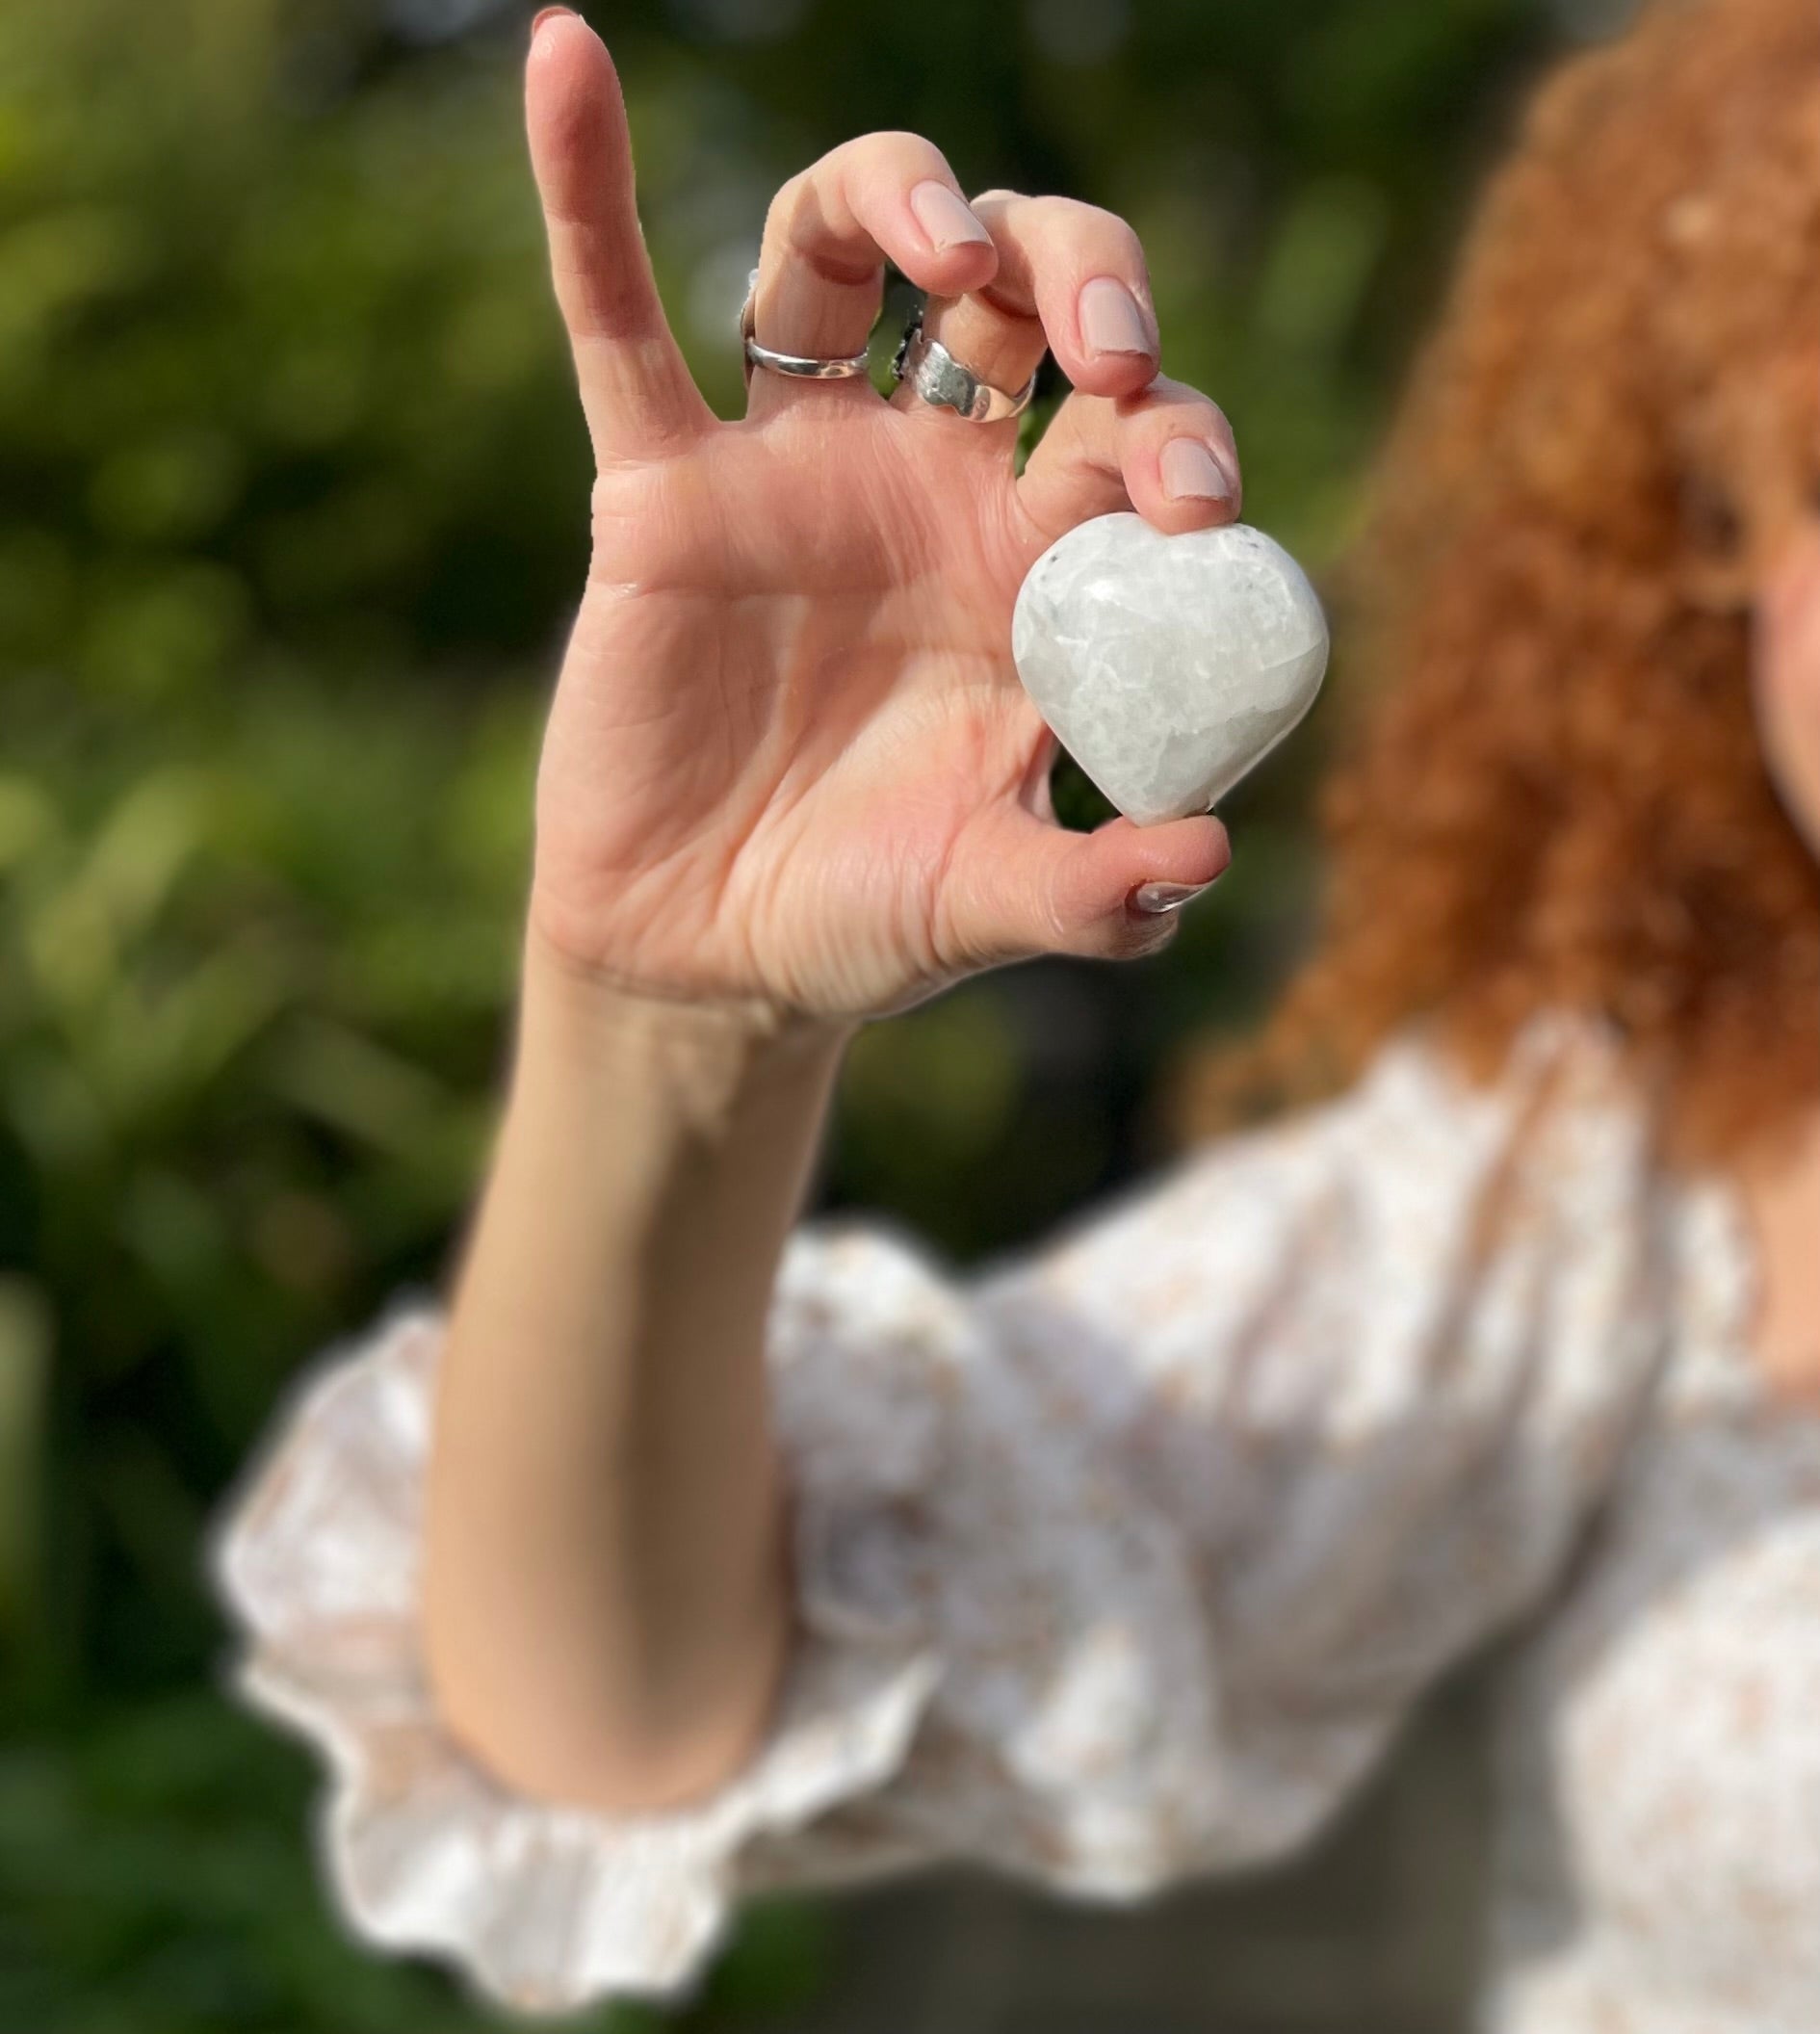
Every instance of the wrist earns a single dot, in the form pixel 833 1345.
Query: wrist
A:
pixel 581 1023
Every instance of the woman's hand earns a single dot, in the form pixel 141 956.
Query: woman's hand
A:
pixel 1788 679
pixel 789 758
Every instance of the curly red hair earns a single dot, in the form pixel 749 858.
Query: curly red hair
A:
pixel 1562 803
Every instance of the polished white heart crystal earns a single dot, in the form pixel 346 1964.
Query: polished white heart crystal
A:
pixel 1168 666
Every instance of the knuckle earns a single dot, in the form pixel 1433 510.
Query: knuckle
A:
pixel 803 225
pixel 1165 390
pixel 1094 224
pixel 1144 409
pixel 904 140
pixel 789 200
pixel 898 153
pixel 1174 403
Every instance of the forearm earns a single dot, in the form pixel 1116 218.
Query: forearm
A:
pixel 606 1599
pixel 804 735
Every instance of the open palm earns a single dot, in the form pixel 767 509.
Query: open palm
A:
pixel 789 758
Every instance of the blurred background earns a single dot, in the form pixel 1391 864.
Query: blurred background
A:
pixel 292 513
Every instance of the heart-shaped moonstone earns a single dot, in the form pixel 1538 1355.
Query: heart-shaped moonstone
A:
pixel 1168 666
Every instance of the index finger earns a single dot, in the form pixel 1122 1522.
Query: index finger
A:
pixel 637 392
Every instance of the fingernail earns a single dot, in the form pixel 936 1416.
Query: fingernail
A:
pixel 1112 321
pixel 1190 473
pixel 948 221
pixel 546 14
pixel 1158 900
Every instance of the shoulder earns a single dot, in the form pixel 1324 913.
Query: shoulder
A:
pixel 1418 1196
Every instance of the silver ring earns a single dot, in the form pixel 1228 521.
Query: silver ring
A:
pixel 937 378
pixel 801 367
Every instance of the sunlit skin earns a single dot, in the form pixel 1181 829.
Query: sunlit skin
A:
pixel 789 758
pixel 790 781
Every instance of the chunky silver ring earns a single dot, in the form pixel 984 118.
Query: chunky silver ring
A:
pixel 937 378
pixel 801 367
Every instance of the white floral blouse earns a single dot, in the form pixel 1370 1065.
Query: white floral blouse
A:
pixel 1124 1563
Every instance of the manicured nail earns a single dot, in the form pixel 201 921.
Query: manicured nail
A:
pixel 1190 473
pixel 1159 899
pixel 1112 321
pixel 546 14
pixel 948 221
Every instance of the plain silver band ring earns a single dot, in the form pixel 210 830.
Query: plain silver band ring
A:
pixel 800 367
pixel 937 378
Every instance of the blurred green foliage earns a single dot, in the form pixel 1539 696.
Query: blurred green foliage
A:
pixel 290 511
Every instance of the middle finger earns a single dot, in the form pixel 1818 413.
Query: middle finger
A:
pixel 829 233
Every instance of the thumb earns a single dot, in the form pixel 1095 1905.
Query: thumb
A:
pixel 637 392
pixel 1027 887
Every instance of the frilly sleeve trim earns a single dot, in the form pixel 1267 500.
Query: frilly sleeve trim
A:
pixel 545 1907
pixel 1122 1564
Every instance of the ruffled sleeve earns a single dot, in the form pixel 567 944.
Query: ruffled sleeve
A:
pixel 1117 1565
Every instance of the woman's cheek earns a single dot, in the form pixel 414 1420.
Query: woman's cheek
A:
pixel 1788 680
